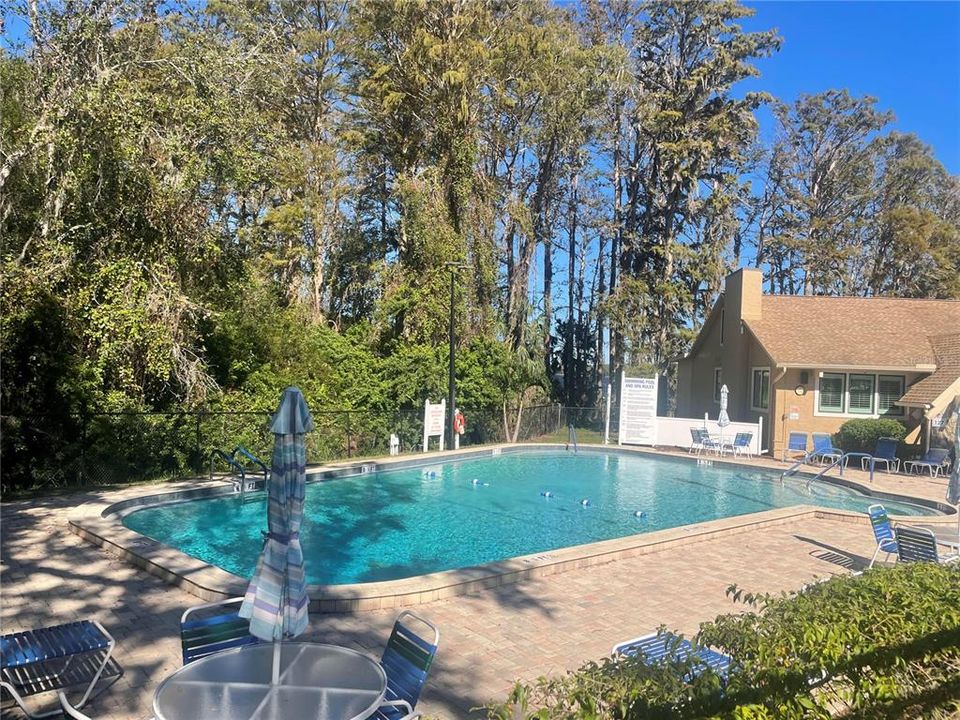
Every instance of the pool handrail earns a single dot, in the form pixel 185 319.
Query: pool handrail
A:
pixel 572 438
pixel 240 449
pixel 228 459
pixel 795 468
pixel 217 453
pixel 841 461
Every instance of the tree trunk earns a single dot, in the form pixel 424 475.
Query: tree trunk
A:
pixel 548 305
pixel 516 428
pixel 616 245
pixel 568 348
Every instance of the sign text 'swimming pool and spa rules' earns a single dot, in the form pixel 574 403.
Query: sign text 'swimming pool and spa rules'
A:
pixel 433 419
pixel 638 411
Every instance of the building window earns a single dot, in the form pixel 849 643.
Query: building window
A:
pixel 760 389
pixel 831 392
pixel 889 390
pixel 861 395
pixel 723 322
pixel 717 383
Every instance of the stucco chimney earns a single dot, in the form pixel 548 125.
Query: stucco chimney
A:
pixel 743 294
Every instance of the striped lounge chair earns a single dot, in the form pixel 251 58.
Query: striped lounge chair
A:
pixel 882 532
pixel 406 660
pixel 665 646
pixel 209 628
pixel 60 657
pixel 919 545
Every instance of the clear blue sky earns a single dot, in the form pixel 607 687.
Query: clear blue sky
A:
pixel 906 54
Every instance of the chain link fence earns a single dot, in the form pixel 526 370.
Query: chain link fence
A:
pixel 46 452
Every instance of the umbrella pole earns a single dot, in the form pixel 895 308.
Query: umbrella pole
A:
pixel 276 643
pixel 276 663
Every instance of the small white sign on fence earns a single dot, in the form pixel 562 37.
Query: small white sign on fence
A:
pixel 638 411
pixel 434 416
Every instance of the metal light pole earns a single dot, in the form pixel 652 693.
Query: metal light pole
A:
pixel 452 382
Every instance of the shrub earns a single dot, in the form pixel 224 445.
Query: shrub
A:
pixel 883 644
pixel 861 435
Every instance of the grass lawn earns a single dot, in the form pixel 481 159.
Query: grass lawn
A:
pixel 584 436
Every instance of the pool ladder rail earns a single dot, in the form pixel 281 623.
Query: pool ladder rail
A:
pixel 572 438
pixel 840 461
pixel 242 485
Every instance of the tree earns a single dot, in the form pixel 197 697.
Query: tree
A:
pixel 914 249
pixel 689 137
pixel 822 169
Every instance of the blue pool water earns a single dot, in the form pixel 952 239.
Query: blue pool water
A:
pixel 408 522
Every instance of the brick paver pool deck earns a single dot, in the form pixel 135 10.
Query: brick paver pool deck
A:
pixel 490 638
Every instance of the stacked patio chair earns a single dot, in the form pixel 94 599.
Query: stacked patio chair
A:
pixel 936 460
pixel 73 655
pixel 882 532
pixel 406 659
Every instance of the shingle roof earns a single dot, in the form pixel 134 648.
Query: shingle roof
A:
pixel 853 332
pixel 947 351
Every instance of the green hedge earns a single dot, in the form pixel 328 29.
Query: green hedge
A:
pixel 885 644
pixel 861 435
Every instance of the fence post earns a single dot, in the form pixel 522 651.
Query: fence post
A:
pixel 83 444
pixel 349 436
pixel 606 422
pixel 760 447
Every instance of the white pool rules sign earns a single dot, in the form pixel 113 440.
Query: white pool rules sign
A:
pixel 638 411
pixel 434 415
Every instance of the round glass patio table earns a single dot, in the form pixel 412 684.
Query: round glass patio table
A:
pixel 317 681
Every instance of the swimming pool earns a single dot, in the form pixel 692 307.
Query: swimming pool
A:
pixel 414 521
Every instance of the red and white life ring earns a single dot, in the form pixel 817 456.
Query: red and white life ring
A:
pixel 459 423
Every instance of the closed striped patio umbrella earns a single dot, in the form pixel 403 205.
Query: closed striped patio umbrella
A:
pixel 276 601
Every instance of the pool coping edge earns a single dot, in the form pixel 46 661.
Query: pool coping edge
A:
pixel 101 524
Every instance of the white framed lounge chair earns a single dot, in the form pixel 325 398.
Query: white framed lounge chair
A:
pixel 73 655
pixel 936 461
pixel 916 544
pixel 703 440
pixel 741 445
pixel 407 659
pixel 882 532
pixel 69 711
pixel 886 453
pixel 823 449
pixel 666 646
pixel 796 446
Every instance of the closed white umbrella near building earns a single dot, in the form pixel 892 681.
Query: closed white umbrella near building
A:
pixel 723 419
